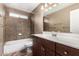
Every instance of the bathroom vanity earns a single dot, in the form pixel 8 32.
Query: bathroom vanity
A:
pixel 60 45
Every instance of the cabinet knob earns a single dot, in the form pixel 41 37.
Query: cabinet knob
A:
pixel 65 52
pixel 42 48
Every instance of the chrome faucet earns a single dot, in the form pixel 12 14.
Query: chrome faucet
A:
pixel 54 34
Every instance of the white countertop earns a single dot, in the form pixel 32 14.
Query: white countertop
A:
pixel 71 40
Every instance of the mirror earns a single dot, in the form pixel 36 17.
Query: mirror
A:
pixel 60 18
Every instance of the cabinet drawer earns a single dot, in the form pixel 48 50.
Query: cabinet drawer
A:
pixel 62 50
pixel 48 44
pixel 66 50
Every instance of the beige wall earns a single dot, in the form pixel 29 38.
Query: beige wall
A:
pixel 60 20
pixel 37 20
pixel 2 13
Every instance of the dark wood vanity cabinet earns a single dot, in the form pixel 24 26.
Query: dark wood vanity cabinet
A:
pixel 49 47
pixel 36 47
pixel 43 47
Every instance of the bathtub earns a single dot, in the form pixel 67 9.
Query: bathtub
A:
pixel 16 45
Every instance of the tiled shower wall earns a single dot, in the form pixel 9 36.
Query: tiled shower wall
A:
pixel 14 26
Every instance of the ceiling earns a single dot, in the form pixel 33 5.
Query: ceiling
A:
pixel 28 7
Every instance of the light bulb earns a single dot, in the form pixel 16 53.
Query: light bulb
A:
pixel 46 5
pixel 42 8
pixel 54 5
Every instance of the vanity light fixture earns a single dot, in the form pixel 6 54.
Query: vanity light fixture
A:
pixel 13 15
pixel 47 6
pixel 44 6
pixel 24 17
pixel 18 15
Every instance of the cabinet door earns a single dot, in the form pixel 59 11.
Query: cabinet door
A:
pixel 36 46
pixel 50 52
pixel 48 44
